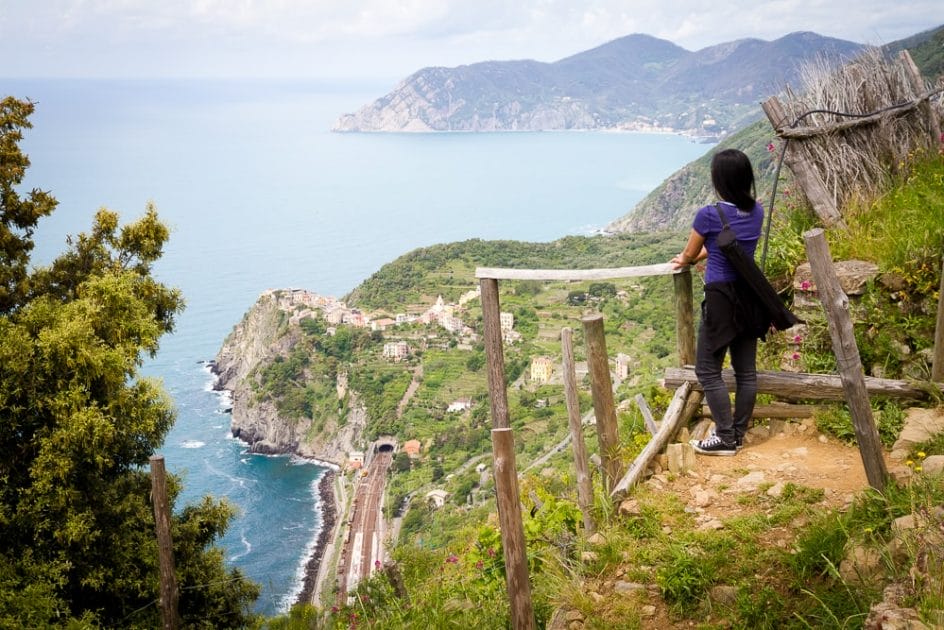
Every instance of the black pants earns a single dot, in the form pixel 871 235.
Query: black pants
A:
pixel 708 369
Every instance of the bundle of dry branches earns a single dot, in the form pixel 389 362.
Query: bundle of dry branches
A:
pixel 856 161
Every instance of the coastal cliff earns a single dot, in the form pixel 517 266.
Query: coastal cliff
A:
pixel 267 335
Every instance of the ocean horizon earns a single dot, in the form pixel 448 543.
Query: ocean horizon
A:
pixel 259 195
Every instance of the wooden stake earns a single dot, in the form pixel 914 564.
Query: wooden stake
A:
pixel 848 361
pixel 494 353
pixel 937 362
pixel 646 414
pixel 584 484
pixel 165 550
pixel 512 529
pixel 806 176
pixel 604 409
pixel 684 317
pixel 670 423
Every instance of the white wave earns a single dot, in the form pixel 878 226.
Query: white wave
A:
pixel 192 444
pixel 311 461
pixel 247 546
pixel 298 583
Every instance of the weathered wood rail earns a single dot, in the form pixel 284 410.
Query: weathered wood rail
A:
pixel 804 386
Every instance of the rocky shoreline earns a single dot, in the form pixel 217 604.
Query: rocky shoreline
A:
pixel 328 517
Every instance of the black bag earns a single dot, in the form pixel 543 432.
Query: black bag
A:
pixel 780 316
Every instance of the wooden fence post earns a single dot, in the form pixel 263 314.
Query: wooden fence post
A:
pixel 604 409
pixel 165 549
pixel 512 529
pixel 506 473
pixel 684 316
pixel 848 362
pixel 917 83
pixel 937 362
pixel 584 484
pixel 494 353
pixel 804 173
pixel 646 414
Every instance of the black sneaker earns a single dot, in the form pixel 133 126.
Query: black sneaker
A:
pixel 739 443
pixel 714 445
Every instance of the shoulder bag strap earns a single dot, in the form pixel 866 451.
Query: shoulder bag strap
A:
pixel 724 220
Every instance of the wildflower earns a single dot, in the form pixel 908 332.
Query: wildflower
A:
pixel 909 463
pixel 377 564
pixel 797 339
pixel 335 610
pixel 452 559
pixel 770 147
pixel 491 552
pixel 918 468
pixel 795 356
pixel 479 565
pixel 805 285
pixel 922 454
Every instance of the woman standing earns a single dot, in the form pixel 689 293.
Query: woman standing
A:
pixel 732 318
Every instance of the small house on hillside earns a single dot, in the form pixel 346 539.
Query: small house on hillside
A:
pixel 437 497
pixel 412 448
pixel 355 460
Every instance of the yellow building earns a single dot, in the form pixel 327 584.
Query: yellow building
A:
pixel 541 369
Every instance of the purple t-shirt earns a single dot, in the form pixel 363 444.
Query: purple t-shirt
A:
pixel 747 227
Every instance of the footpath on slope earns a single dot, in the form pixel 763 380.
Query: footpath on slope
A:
pixel 795 453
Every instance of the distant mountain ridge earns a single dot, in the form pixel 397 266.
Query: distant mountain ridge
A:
pixel 672 203
pixel 637 82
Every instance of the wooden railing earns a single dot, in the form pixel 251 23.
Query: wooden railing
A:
pixel 503 446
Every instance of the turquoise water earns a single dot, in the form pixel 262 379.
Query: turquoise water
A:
pixel 260 195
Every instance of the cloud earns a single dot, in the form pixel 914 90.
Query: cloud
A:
pixel 173 37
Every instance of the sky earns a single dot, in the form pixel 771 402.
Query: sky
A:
pixel 390 39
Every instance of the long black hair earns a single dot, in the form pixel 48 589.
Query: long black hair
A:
pixel 733 178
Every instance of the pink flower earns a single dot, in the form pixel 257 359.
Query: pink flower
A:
pixel 796 356
pixel 797 339
pixel 805 285
pixel 942 138
pixel 335 610
pixel 452 559
pixel 377 564
pixel 770 147
pixel 491 552
pixel 479 565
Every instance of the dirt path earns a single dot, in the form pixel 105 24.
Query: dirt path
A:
pixel 408 394
pixel 799 454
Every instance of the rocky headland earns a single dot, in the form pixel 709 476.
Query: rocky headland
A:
pixel 267 331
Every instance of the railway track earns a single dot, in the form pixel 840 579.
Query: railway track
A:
pixel 363 547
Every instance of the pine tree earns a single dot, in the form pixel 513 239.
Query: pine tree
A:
pixel 78 424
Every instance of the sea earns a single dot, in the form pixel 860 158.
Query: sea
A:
pixel 260 194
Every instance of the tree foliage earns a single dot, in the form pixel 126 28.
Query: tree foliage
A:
pixel 79 425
